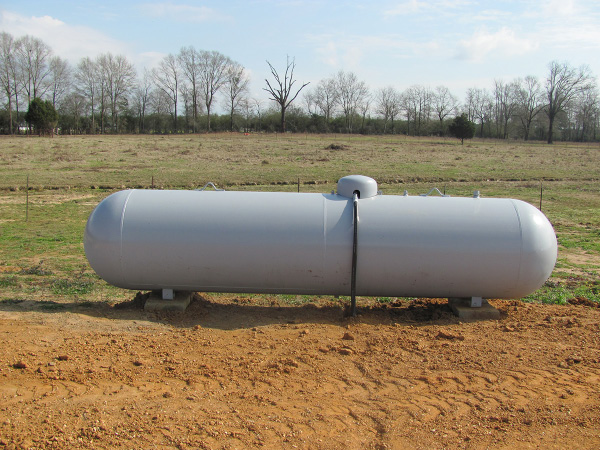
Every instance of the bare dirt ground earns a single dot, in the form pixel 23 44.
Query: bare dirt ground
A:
pixel 229 374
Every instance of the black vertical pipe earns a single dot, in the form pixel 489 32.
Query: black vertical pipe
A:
pixel 354 255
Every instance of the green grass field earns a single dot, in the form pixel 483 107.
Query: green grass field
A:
pixel 41 229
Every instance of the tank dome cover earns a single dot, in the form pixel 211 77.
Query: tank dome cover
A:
pixel 366 186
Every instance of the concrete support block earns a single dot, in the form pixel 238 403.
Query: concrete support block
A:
pixel 178 303
pixel 462 308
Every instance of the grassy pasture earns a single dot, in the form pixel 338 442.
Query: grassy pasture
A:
pixel 42 259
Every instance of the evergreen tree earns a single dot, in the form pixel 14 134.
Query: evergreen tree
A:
pixel 462 128
pixel 42 116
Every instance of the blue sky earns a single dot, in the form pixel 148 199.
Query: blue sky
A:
pixel 456 43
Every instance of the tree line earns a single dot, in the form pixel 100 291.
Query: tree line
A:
pixel 180 95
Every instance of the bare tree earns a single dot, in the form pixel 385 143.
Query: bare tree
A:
pixel 364 107
pixel 166 77
pixel 408 105
pixel 586 108
pixel 282 93
pixel 482 106
pixel 387 105
pixel 326 97
pixel 309 101
pixel 444 105
pixel 33 58
pixel 350 93
pixel 529 102
pixel 213 75
pixel 563 85
pixel 160 105
pixel 237 87
pixel 141 98
pixel 469 105
pixel 103 69
pixel 189 60
pixel 417 103
pixel 258 107
pixel 86 84
pixel 118 76
pixel 73 106
pixel 60 78
pixel 505 106
pixel 9 73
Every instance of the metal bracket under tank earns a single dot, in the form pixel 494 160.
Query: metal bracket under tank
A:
pixel 211 184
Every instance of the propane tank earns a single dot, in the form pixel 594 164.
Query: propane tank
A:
pixel 302 243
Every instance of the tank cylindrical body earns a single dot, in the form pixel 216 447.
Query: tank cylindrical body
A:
pixel 263 242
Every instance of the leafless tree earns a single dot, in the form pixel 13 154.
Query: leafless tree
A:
pixel 416 104
pixel 102 73
pixel 9 73
pixel 563 85
pixel 141 97
pixel 86 84
pixel 407 103
pixel 189 60
pixel 469 105
pixel 505 106
pixel 283 92
pixel 118 76
pixel 33 57
pixel 586 111
pixel 309 101
pixel 237 87
pixel 166 78
pixel 74 106
pixel 387 105
pixel 444 104
pixel 258 107
pixel 364 108
pixel 482 106
pixel 213 75
pixel 61 76
pixel 529 102
pixel 247 110
pixel 160 105
pixel 326 97
pixel 351 94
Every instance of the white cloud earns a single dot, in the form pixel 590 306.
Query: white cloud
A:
pixel 350 52
pixel 560 8
pixel 328 53
pixel 503 42
pixel 149 60
pixel 67 41
pixel 410 7
pixel 182 13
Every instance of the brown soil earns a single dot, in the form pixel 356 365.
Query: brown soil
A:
pixel 230 374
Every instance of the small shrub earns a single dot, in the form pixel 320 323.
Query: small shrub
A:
pixel 336 147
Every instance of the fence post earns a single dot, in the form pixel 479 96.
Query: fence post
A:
pixel 27 200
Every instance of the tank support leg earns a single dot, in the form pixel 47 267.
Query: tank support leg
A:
pixel 476 302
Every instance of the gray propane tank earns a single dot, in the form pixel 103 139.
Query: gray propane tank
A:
pixel 302 243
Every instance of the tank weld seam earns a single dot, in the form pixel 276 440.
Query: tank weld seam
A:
pixel 121 235
pixel 520 241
